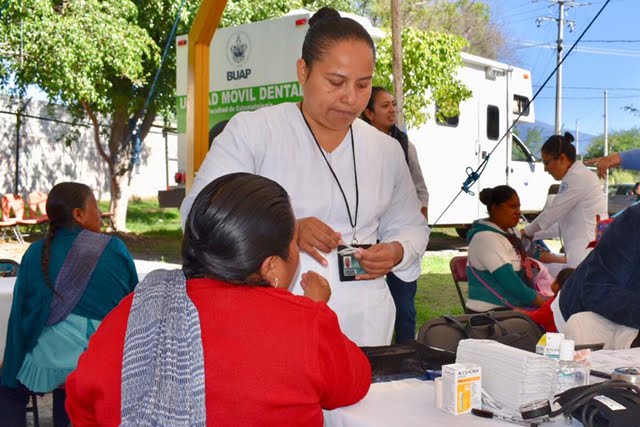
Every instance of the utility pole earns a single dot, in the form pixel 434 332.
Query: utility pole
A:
pixel 606 149
pixel 577 138
pixel 563 6
pixel 396 48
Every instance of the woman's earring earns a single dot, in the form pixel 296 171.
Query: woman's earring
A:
pixel 275 281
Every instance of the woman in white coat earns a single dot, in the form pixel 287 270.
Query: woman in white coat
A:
pixel 347 181
pixel 572 213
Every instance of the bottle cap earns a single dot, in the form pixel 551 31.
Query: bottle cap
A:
pixel 567 349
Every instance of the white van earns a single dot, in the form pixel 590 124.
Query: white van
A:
pixel 253 65
pixel 449 150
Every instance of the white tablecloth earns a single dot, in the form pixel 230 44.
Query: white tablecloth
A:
pixel 6 296
pixel 406 403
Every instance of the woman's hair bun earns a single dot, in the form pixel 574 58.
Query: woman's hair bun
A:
pixel 569 137
pixel 324 13
pixel 486 196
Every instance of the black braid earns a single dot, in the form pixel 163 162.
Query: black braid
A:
pixel 61 201
pixel 46 248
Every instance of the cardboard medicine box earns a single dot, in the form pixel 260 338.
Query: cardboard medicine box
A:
pixel 549 345
pixel 461 388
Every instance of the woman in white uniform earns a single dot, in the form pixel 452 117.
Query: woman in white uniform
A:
pixel 348 182
pixel 572 213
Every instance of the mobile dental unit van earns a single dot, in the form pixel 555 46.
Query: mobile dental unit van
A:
pixel 253 65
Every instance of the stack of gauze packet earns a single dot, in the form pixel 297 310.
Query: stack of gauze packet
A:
pixel 510 376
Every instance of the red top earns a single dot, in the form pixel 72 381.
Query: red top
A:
pixel 543 316
pixel 271 359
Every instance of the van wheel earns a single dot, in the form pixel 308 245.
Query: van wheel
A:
pixel 462 231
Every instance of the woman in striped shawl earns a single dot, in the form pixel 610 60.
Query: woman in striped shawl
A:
pixel 66 284
pixel 222 341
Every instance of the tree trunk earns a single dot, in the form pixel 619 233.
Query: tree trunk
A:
pixel 120 178
pixel 396 47
pixel 121 143
pixel 120 191
pixel 118 159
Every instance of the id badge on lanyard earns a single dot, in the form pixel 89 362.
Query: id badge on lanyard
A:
pixel 348 265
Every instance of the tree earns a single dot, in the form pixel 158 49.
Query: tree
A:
pixel 632 109
pixel 621 140
pixel 532 138
pixel 98 57
pixel 469 19
pixel 243 11
pixel 430 61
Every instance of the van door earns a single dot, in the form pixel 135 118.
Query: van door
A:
pixel 527 177
pixel 491 123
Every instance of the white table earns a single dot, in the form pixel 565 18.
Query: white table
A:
pixel 407 403
pixel 6 297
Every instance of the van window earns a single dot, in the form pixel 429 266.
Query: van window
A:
pixel 520 105
pixel 449 121
pixel 493 122
pixel 519 152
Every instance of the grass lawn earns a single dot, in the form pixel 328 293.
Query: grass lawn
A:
pixel 436 295
pixel 155 234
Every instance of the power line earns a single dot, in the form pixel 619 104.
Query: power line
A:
pixel 594 50
pixel 607 41
pixel 592 88
pixel 531 14
pixel 474 175
pixel 592 97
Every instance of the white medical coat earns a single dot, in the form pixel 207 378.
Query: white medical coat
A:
pixel 573 211
pixel 275 142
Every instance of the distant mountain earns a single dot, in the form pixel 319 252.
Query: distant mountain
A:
pixel 545 130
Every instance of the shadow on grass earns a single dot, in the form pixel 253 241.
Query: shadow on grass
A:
pixel 436 296
pixel 154 245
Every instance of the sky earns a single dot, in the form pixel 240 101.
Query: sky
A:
pixel 608 57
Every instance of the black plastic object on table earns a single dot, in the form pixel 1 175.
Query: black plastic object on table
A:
pixel 402 361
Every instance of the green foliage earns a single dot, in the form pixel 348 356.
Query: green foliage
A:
pixel 621 176
pixel 620 140
pixel 105 52
pixel 469 19
pixel 430 60
pixel 243 11
pixel 75 51
pixel 532 138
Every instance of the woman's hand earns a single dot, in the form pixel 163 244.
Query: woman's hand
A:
pixel 315 286
pixel 379 259
pixel 539 301
pixel 548 258
pixel 314 235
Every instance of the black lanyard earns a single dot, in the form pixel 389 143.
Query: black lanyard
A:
pixel 352 222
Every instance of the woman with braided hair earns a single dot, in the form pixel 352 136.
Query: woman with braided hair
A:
pixel 66 285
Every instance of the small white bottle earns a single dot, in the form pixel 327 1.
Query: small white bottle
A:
pixel 570 374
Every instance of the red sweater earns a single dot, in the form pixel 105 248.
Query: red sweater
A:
pixel 270 358
pixel 543 316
